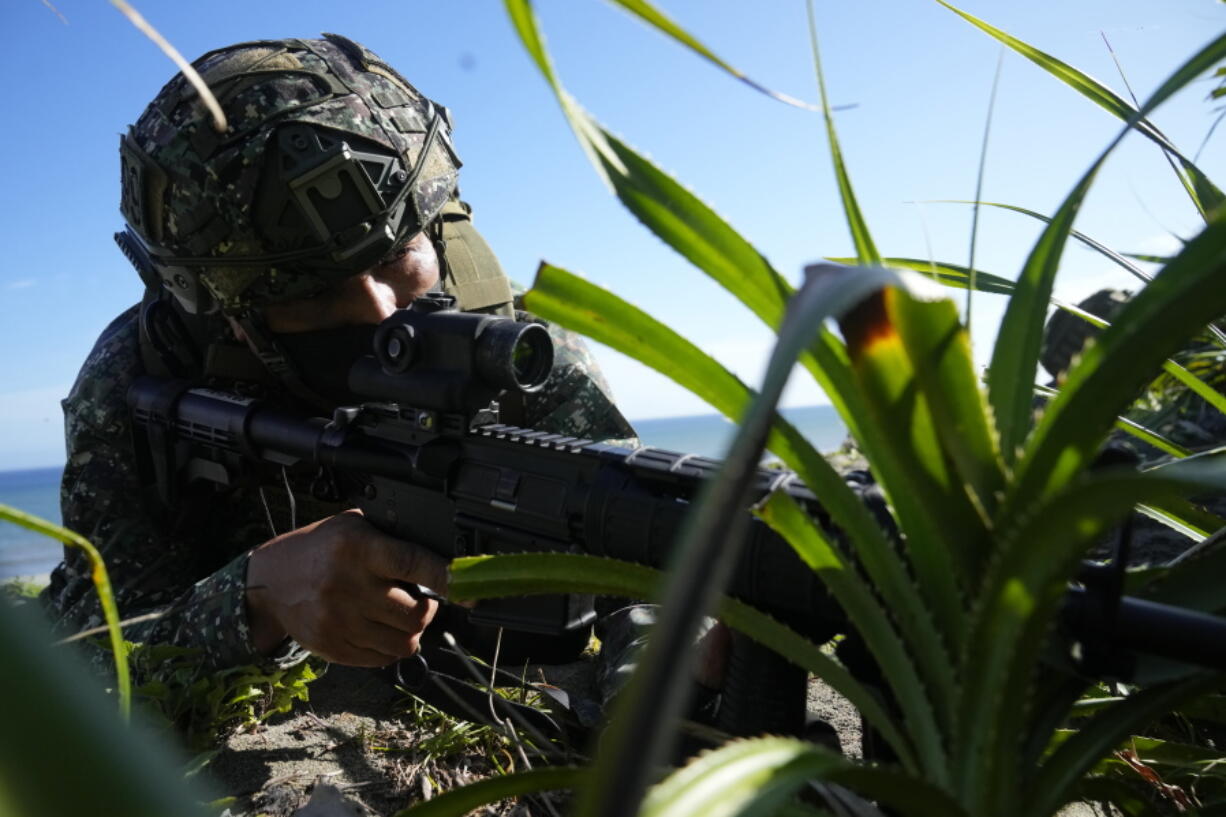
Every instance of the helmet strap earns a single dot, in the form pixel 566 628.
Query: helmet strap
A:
pixel 276 361
pixel 435 231
pixel 168 346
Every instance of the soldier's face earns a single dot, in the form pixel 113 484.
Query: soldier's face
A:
pixel 366 298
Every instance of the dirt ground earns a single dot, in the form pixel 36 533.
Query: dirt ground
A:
pixel 353 751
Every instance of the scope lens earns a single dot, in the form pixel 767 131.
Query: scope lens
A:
pixel 513 355
pixel 395 348
pixel 532 357
pixel 525 360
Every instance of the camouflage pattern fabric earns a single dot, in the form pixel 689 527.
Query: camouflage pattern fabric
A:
pixel 576 397
pixel 189 566
pixel 195 193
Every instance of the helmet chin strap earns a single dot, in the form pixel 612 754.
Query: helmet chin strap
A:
pixel 270 353
pixel 435 230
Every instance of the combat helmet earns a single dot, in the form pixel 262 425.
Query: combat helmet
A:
pixel 1065 335
pixel 331 162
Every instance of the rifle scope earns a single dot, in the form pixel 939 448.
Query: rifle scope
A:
pixel 433 356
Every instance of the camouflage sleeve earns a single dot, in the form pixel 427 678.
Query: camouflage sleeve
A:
pixel 576 400
pixel 189 589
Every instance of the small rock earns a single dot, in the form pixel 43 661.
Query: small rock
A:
pixel 327 801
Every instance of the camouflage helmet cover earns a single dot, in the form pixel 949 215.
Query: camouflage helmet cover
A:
pixel 216 211
pixel 1066 335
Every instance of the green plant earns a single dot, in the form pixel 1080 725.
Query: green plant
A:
pixel 996 508
pixel 62 751
pixel 102 583
pixel 19 591
pixel 202 705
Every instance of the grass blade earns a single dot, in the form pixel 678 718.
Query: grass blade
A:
pixel 983 160
pixel 1118 258
pixel 1054 784
pixel 206 96
pixel 1110 373
pixel 688 225
pixel 466 799
pixel 940 350
pixel 102 584
pixel 1204 194
pixel 703 559
pixel 63 751
pixel 1150 437
pixel 950 275
pixel 579 305
pixel 1185 517
pixel 1020 338
pixel 874 626
pixel 866 250
pixel 1195 385
pixel 1022 591
pixel 942 526
pixel 741 778
pixel 663 205
pixel 1098 247
pixel 661 22
pixel 480 577
pixel 1118 794
pixel 570 301
pixel 1129 427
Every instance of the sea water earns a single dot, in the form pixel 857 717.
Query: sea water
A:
pixel 25 553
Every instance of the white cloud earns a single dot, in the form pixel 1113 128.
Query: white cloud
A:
pixel 24 283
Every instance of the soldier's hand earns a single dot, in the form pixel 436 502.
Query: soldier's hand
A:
pixel 338 588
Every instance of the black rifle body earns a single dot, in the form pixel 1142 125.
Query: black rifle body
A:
pixel 493 489
pixel 427 478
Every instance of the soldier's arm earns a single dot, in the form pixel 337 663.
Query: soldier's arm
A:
pixel 190 581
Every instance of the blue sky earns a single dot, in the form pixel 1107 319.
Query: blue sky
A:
pixel 918 77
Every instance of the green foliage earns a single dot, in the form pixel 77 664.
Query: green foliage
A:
pixel 19 591
pixel 450 738
pixel 996 510
pixel 203 705
pixel 468 798
pixel 102 584
pixel 63 750
pixel 1204 194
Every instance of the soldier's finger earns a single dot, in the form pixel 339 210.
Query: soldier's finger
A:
pixel 398 608
pixel 407 562
pixel 375 636
pixel 352 655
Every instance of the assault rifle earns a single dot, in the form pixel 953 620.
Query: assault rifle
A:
pixel 424 458
pixel 423 455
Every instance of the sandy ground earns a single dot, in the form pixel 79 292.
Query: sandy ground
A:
pixel 357 751
pixel 353 753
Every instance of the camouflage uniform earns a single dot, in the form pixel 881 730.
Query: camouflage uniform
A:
pixel 189 565
pixel 331 162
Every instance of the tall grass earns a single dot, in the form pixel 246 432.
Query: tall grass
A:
pixel 996 509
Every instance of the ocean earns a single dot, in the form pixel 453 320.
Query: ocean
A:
pixel 25 553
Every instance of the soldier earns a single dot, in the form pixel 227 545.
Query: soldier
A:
pixel 273 248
